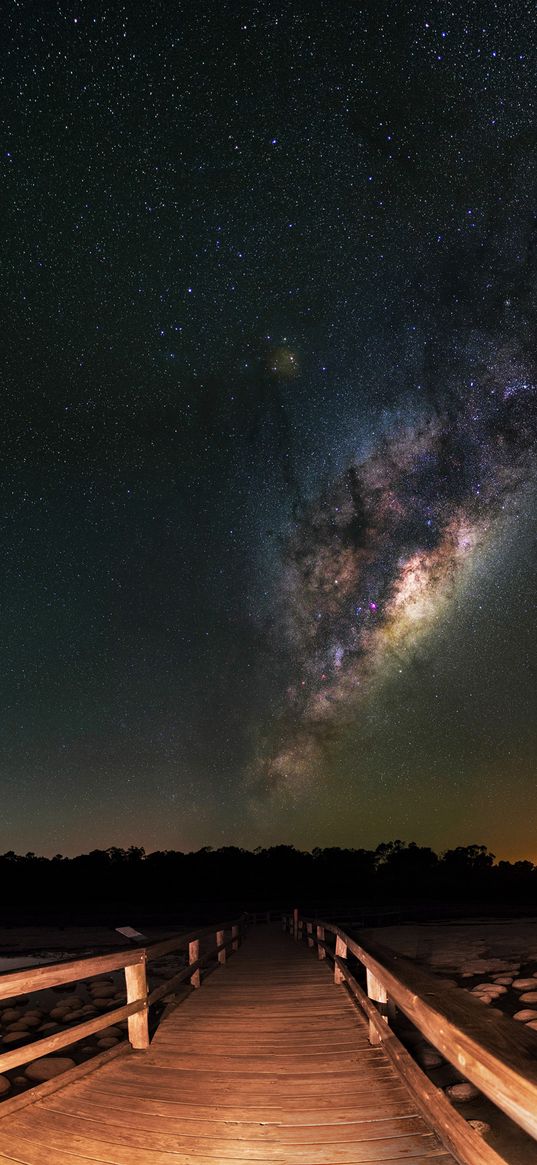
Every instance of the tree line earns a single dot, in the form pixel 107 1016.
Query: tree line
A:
pixel 168 882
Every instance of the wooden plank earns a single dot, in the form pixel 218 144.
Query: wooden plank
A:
pixel 128 1146
pixel 277 1064
pixel 314 1133
pixel 361 1107
pixel 37 978
pixel 136 983
pixel 248 1130
pixel 25 1152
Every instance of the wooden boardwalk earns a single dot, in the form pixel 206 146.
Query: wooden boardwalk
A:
pixel 269 1062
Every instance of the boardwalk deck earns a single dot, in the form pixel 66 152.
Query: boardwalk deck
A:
pixel 268 1062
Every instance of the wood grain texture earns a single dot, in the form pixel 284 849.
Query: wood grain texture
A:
pixel 268 1062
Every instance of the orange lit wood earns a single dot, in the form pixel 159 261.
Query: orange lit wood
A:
pixel 378 993
pixel 341 953
pixel 493 1052
pixel 267 1063
pixel 136 981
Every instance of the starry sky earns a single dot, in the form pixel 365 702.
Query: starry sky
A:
pixel 269 424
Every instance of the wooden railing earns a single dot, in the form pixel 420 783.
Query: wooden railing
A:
pixel 133 961
pixel 496 1054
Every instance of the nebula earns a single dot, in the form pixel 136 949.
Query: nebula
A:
pixel 373 565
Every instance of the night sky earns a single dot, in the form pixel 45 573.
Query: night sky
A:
pixel 269 401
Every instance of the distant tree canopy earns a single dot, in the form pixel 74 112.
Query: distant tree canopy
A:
pixel 173 884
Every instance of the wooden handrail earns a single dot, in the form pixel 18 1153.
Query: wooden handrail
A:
pixel 133 961
pixel 496 1054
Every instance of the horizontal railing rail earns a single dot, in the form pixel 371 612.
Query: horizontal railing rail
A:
pixel 133 961
pixel 496 1054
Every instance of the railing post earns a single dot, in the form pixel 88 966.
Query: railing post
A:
pixel 309 928
pixel 300 930
pixel 136 982
pixel 219 942
pixel 193 956
pixel 341 950
pixel 235 931
pixel 320 938
pixel 295 923
pixel 378 994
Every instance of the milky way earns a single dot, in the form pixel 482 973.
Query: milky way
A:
pixel 373 565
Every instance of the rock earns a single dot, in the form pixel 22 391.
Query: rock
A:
pixel 532 1023
pixel 16 1037
pixel 529 997
pixel 72 1016
pixel 490 988
pixel 115 1032
pixel 88 1009
pixel 523 984
pixel 48 1067
pixel 505 980
pixel 20 1082
pixel 480 1126
pixel 107 1042
pixel 46 1027
pixel 31 1020
pixel 462 1092
pixel 103 991
pixel 429 1058
pixel 5 1085
pixel 10 1014
pixel 526 1014
pixel 59 1012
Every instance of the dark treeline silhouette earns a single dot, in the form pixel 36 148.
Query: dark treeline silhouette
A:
pixel 168 885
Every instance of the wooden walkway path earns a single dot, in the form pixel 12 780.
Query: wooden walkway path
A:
pixel 269 1062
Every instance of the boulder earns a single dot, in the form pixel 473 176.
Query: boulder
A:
pixel 103 991
pixel 48 1067
pixel 5 1085
pixel 523 984
pixel 107 1042
pixel 429 1057
pixel 480 1126
pixel 526 1014
pixel 10 1014
pixel 461 1092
